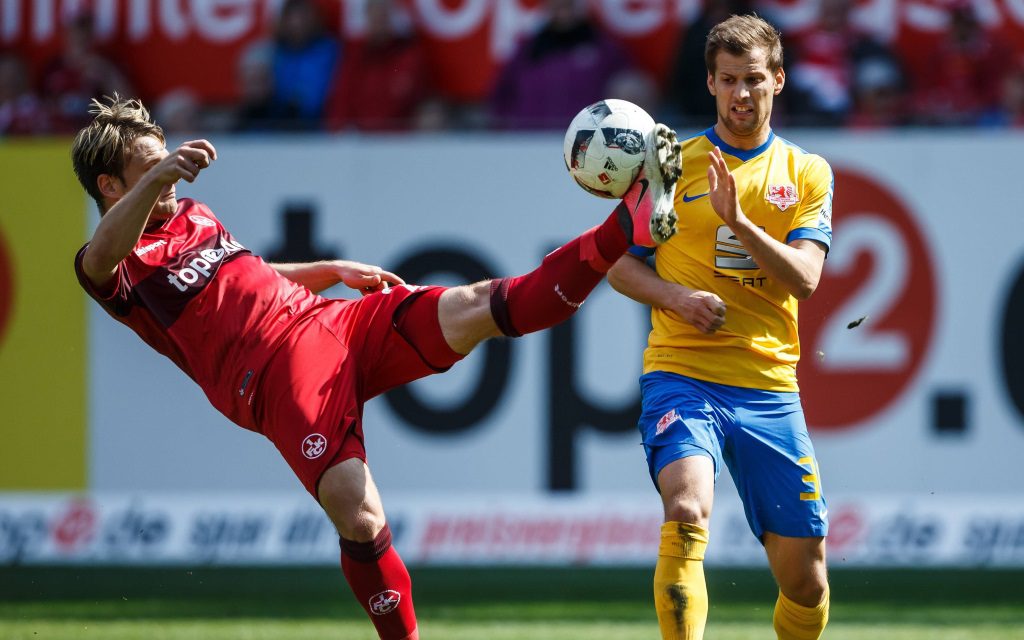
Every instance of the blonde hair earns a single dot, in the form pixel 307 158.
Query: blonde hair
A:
pixel 102 147
pixel 739 35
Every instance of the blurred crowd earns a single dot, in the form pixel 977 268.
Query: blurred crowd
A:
pixel 304 77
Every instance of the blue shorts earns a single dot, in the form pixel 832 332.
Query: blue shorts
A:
pixel 760 434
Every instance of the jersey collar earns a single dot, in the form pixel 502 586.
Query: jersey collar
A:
pixel 742 154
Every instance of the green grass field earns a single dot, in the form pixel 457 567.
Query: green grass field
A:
pixel 482 604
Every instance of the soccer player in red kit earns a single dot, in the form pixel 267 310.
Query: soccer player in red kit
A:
pixel 278 359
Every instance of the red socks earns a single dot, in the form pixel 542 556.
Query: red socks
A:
pixel 381 584
pixel 554 291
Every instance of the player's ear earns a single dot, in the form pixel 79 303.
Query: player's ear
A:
pixel 110 186
pixel 711 83
pixel 780 80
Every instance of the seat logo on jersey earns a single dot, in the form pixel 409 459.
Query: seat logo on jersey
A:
pixel 730 252
pixel 202 221
pixel 665 421
pixel 314 446
pixel 782 196
pixel 202 265
pixel 385 602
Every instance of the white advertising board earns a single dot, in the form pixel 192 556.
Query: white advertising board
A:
pixel 926 394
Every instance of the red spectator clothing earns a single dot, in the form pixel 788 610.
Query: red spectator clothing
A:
pixel 70 85
pixel 966 82
pixel 379 86
pixel 825 57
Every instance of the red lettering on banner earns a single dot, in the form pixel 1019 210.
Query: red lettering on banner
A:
pixel 161 42
pixel 543 532
pixel 6 287
pixel 434 534
pixel 846 528
pixel 75 527
pixel 580 539
pixel 865 332
pixel 471 532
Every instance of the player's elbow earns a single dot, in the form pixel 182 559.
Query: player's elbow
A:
pixel 92 261
pixel 98 265
pixel 616 276
pixel 804 289
pixel 616 283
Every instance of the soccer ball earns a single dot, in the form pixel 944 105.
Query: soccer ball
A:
pixel 605 146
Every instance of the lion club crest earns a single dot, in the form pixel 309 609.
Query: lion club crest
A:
pixel 665 421
pixel 385 602
pixel 782 196
pixel 314 446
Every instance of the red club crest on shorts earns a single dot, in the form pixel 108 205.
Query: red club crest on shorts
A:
pixel 666 420
pixel 385 602
pixel 314 446
pixel 782 196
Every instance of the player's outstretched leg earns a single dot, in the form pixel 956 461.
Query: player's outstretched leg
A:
pixel 557 288
pixel 554 291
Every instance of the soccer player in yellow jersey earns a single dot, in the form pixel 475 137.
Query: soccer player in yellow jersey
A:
pixel 719 379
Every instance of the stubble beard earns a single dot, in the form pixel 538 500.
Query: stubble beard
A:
pixel 742 130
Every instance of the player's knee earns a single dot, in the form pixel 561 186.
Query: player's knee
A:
pixel 807 588
pixel 360 523
pixel 357 515
pixel 687 510
pixel 366 527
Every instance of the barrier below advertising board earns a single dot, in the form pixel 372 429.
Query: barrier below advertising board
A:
pixel 620 529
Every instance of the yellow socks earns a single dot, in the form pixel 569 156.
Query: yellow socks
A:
pixel 797 622
pixel 680 594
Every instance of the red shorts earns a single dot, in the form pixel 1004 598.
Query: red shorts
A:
pixel 311 393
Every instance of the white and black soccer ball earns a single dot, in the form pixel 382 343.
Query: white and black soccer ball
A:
pixel 605 145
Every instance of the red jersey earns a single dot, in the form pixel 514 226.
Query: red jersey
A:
pixel 197 296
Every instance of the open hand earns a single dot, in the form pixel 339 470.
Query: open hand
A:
pixel 724 198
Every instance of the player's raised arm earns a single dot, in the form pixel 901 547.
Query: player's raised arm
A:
pixel 317 276
pixel 143 193
pixel 797 265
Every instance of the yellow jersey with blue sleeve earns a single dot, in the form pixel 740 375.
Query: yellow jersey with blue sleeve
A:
pixel 785 191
